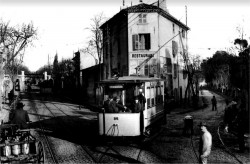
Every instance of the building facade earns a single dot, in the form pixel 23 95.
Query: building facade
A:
pixel 145 40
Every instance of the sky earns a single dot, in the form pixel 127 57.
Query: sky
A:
pixel 62 24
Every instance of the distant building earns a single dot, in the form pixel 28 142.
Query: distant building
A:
pixel 145 31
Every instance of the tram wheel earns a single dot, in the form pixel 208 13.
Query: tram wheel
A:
pixel 40 152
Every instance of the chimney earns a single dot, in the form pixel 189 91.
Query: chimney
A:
pixel 140 2
pixel 123 5
pixel 163 5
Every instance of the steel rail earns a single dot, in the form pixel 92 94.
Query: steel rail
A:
pixel 96 160
pixel 52 154
pixel 226 148
pixel 83 147
pixel 192 144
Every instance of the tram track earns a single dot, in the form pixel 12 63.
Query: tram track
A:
pixel 86 148
pixel 226 148
pixel 52 155
pixel 88 152
pixel 46 140
pixel 217 142
pixel 109 147
pixel 99 154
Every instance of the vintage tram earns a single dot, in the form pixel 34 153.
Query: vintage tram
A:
pixel 125 89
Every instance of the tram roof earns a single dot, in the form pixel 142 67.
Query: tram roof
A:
pixel 130 79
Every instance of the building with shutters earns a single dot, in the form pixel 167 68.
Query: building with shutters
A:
pixel 148 37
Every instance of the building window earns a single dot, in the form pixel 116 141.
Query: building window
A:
pixel 174 48
pixel 169 65
pixel 175 70
pixel 141 42
pixel 173 29
pixel 142 18
pixel 183 33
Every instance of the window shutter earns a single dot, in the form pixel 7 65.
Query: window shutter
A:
pixel 169 65
pixel 174 48
pixel 175 70
pixel 133 41
pixel 147 37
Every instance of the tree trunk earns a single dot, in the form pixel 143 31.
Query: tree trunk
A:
pixel 1 84
pixel 186 92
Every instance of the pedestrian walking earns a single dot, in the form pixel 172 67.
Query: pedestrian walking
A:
pixel 205 144
pixel 214 104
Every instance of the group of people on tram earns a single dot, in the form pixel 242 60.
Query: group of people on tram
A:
pixel 114 105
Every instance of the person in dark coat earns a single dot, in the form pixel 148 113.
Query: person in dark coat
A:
pixel 106 105
pixel 229 115
pixel 139 109
pixel 119 105
pixel 137 106
pixel 242 123
pixel 11 96
pixel 113 106
pixel 19 116
pixel 214 104
pixel 141 98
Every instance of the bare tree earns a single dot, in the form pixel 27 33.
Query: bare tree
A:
pixel 91 50
pixel 193 70
pixel 14 40
pixel 95 45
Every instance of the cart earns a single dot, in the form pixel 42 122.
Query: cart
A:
pixel 19 145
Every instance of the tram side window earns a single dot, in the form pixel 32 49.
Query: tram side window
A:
pixel 158 95
pixel 148 97
pixel 153 96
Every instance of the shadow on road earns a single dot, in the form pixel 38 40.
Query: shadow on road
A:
pixel 71 128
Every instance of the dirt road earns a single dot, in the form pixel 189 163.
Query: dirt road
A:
pixel 173 147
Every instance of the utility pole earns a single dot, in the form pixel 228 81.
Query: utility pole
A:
pixel 186 14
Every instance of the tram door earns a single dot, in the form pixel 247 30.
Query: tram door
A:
pixel 154 94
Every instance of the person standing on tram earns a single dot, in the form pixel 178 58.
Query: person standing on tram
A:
pixel 137 106
pixel 142 101
pixel 141 98
pixel 113 106
pixel 119 105
pixel 106 104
